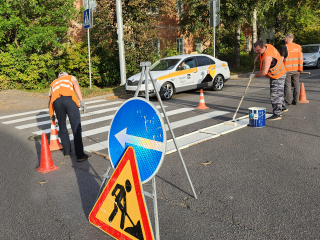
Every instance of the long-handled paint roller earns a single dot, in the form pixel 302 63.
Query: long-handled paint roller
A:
pixel 233 122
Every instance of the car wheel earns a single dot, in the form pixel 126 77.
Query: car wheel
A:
pixel 218 83
pixel 318 64
pixel 166 91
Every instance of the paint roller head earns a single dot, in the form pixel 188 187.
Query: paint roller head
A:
pixel 231 123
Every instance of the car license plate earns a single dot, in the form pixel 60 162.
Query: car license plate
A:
pixel 131 87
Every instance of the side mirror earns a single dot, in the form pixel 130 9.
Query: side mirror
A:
pixel 181 68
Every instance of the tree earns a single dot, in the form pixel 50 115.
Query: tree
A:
pixel 140 20
pixel 35 26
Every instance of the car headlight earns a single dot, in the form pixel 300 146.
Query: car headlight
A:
pixel 312 57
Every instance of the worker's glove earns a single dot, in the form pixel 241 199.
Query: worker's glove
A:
pixel 53 118
pixel 83 106
pixel 252 76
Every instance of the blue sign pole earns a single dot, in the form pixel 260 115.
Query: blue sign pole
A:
pixel 139 124
pixel 87 23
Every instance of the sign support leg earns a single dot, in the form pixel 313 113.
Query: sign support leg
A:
pixel 173 137
pixel 153 195
pixel 155 211
pixel 106 176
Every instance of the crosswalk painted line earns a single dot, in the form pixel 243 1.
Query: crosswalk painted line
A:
pixel 41 110
pixel 83 123
pixel 30 125
pixel 104 144
pixel 107 128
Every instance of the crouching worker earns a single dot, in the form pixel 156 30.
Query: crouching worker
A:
pixel 63 101
pixel 272 66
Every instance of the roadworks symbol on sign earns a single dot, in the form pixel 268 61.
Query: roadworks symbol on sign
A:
pixel 121 210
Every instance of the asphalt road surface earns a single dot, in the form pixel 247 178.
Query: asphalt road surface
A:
pixel 257 183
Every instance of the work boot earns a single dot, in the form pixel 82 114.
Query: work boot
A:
pixel 84 157
pixel 274 117
pixel 294 103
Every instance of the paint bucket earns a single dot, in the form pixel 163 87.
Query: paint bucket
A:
pixel 257 117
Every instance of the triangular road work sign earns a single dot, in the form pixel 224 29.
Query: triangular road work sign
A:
pixel 121 210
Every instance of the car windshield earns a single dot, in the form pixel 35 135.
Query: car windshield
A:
pixel 310 49
pixel 164 64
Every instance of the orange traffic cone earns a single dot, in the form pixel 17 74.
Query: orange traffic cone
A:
pixel 54 139
pixel 303 97
pixel 46 162
pixel 202 104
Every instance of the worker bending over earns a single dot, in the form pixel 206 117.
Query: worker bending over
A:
pixel 271 66
pixel 63 101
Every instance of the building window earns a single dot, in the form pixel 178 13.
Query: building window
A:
pixel 180 45
pixel 198 46
pixel 179 7
pixel 157 46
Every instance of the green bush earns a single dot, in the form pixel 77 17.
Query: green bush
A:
pixel 20 71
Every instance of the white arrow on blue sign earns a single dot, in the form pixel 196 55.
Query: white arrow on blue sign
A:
pixel 139 124
pixel 86 19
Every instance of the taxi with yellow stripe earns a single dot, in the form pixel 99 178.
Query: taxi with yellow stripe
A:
pixel 182 73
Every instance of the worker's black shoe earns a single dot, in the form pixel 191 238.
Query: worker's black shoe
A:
pixel 84 157
pixel 294 103
pixel 285 110
pixel 274 117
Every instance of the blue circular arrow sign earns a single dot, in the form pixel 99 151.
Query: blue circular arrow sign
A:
pixel 139 124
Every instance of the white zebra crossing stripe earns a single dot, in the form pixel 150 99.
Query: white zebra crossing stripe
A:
pixel 82 115
pixel 27 118
pixel 104 144
pixel 107 128
pixel 42 110
pixel 83 123
pixel 103 105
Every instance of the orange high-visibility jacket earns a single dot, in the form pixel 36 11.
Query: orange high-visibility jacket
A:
pixel 294 61
pixel 279 69
pixel 62 87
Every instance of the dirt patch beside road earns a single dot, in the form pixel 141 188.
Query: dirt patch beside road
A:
pixel 18 100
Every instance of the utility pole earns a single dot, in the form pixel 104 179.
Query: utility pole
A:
pixel 120 42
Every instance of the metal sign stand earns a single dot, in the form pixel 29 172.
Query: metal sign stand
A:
pixel 146 72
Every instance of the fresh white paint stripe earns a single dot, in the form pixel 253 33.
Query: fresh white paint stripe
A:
pixel 107 128
pixel 83 123
pixel 205 134
pixel 177 124
pixel 41 110
pixel 196 119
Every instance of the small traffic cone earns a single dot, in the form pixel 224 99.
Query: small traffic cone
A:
pixel 46 162
pixel 54 139
pixel 303 97
pixel 202 104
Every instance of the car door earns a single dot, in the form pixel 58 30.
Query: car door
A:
pixel 187 75
pixel 206 69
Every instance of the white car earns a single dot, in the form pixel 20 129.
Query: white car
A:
pixel 311 55
pixel 181 73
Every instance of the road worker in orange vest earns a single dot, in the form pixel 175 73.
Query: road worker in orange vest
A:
pixel 63 101
pixel 293 60
pixel 271 66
